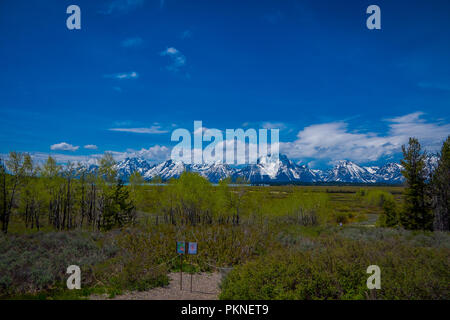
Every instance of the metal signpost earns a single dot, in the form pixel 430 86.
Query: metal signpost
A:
pixel 192 249
pixel 181 250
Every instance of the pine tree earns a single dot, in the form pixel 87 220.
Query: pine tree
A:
pixel 441 189
pixel 390 211
pixel 416 213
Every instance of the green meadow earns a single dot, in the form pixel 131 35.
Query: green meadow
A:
pixel 282 242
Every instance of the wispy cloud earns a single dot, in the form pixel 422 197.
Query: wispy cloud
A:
pixel 121 6
pixel 91 147
pixel 150 130
pixel 123 76
pixel 156 153
pixel 132 42
pixel 153 154
pixel 273 125
pixel 177 59
pixel 63 146
pixel 334 141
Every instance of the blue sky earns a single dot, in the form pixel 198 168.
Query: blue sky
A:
pixel 138 69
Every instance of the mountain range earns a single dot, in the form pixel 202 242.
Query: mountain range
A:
pixel 269 170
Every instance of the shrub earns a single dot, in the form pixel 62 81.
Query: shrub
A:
pixel 337 270
pixel 38 262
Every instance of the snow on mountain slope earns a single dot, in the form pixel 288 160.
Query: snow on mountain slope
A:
pixel 271 169
pixel 214 172
pixel 128 166
pixel 347 171
pixel 166 170
pixel 268 169
pixel 372 170
pixel 390 173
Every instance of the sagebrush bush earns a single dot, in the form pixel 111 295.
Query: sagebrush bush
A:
pixel 36 262
pixel 336 269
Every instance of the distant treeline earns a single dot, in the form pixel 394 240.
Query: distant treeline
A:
pixel 69 197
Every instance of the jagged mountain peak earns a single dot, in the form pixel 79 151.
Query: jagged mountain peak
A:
pixel 268 169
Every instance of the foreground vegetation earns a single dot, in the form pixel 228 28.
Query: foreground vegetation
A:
pixel 271 261
pixel 282 242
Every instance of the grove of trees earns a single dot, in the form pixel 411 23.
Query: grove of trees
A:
pixel 63 197
pixel 426 200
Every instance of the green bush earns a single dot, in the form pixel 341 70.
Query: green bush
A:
pixel 336 269
pixel 38 262
pixel 374 197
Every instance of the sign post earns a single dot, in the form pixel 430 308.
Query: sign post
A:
pixel 181 272
pixel 192 249
pixel 181 250
pixel 182 247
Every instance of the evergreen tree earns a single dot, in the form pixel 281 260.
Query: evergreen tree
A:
pixel 441 189
pixel 119 210
pixel 390 211
pixel 416 213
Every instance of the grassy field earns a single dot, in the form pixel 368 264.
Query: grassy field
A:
pixel 289 242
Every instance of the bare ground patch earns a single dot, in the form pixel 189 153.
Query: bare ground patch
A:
pixel 205 286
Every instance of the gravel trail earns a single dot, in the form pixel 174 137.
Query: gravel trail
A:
pixel 205 286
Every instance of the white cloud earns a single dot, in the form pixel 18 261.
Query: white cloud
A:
pixel 121 6
pixel 273 125
pixel 334 141
pixel 150 130
pixel 91 147
pixel 121 76
pixel 132 42
pixel 156 153
pixel 63 146
pixel 177 59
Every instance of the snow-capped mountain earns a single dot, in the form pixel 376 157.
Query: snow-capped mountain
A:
pixel 271 169
pixel 128 166
pixel 390 173
pixel 165 170
pixel 347 171
pixel 268 169
pixel 214 172
pixel 431 163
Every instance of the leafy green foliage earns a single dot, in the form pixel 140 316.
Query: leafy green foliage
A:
pixel 336 269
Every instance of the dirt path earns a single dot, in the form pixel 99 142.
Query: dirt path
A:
pixel 205 286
